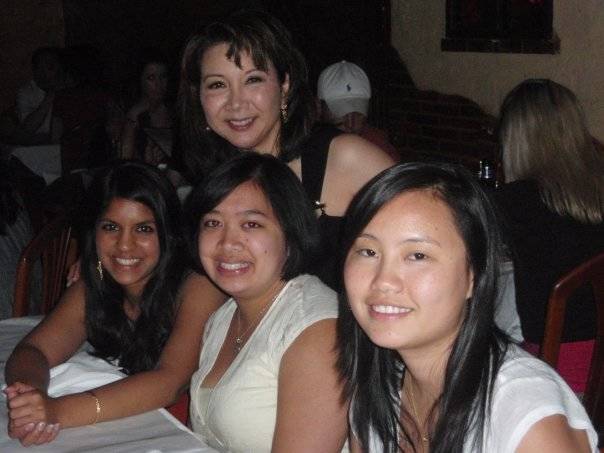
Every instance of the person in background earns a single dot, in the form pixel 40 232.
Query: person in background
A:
pixel 140 125
pixel 267 380
pixel 553 207
pixel 15 233
pixel 35 99
pixel 345 91
pixel 244 82
pixel 421 357
pixel 136 304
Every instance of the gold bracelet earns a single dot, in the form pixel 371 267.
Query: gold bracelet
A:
pixel 97 402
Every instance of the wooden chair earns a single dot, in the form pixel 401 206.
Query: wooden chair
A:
pixel 591 273
pixel 56 249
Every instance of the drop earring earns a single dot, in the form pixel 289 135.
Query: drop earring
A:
pixel 284 113
pixel 99 268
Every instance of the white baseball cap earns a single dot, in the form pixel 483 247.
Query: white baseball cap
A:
pixel 345 88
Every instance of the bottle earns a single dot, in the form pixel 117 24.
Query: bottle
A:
pixel 487 174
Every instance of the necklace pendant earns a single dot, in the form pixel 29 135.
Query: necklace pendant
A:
pixel 238 344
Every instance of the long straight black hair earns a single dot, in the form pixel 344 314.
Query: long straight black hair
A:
pixel 135 345
pixel 372 375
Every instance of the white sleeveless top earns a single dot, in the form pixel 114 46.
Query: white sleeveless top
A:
pixel 239 413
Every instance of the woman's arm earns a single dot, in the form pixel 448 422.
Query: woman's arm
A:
pixel 162 386
pixel 311 415
pixel 130 128
pixel 50 343
pixel 151 389
pixel 54 340
pixel 351 163
pixel 554 435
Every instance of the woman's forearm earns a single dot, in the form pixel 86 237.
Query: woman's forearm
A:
pixel 27 364
pixel 133 395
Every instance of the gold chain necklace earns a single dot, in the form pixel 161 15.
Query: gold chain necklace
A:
pixel 239 337
pixel 424 436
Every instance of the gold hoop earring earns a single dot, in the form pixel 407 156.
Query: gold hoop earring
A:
pixel 284 113
pixel 99 268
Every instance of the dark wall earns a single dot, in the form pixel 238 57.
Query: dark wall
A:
pixel 326 30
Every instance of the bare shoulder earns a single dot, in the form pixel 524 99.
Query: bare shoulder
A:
pixel 553 434
pixel 71 307
pixel 353 161
pixel 200 294
pixel 314 342
pixel 356 154
pixel 63 330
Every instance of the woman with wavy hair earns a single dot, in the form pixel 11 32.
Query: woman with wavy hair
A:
pixel 420 355
pixel 244 82
pixel 553 207
pixel 136 304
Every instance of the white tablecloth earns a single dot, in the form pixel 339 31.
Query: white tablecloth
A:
pixel 43 160
pixel 155 431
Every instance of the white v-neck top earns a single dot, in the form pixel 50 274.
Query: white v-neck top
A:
pixel 239 413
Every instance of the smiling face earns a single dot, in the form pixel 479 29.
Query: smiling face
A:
pixel 407 275
pixel 127 244
pixel 242 246
pixel 154 81
pixel 242 104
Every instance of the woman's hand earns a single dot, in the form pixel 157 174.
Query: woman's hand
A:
pixel 142 106
pixel 31 415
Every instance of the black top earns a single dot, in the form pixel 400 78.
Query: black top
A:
pixel 313 162
pixel 545 246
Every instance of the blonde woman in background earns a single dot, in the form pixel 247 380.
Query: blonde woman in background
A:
pixel 553 204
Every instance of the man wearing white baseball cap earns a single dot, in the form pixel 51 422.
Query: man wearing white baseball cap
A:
pixel 345 91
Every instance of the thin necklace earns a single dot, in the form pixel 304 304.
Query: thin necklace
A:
pixel 424 436
pixel 240 336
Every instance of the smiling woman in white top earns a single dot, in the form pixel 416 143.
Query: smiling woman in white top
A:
pixel 422 359
pixel 267 379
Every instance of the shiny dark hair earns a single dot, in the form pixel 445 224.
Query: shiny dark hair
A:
pixel 372 375
pixel 135 345
pixel 285 194
pixel 268 42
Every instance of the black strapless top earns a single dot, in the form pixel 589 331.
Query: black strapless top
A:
pixel 313 162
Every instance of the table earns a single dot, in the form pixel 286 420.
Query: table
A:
pixel 155 431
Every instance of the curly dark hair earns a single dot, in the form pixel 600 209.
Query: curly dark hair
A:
pixel 268 42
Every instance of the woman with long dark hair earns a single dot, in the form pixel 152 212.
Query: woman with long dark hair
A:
pixel 140 125
pixel 136 304
pixel 422 359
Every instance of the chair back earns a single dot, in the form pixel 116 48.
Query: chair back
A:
pixel 589 273
pixel 52 245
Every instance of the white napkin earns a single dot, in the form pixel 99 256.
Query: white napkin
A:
pixel 80 373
